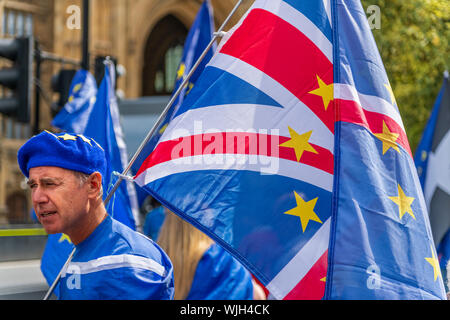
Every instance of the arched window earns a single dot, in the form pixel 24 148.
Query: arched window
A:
pixel 163 53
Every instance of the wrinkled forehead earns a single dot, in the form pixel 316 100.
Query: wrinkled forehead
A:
pixel 38 173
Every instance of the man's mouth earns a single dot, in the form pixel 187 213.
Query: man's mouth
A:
pixel 46 213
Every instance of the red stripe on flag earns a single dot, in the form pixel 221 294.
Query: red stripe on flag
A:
pixel 312 286
pixel 281 51
pixel 236 143
pixel 351 111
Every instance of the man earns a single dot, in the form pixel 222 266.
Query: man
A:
pixel 111 261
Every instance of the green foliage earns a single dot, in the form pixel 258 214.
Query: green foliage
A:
pixel 414 44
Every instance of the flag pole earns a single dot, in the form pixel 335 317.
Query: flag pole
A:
pixel 172 100
pixel 216 35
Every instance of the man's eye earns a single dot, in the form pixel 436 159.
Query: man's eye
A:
pixel 32 186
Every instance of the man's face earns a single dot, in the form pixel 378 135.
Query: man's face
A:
pixel 59 199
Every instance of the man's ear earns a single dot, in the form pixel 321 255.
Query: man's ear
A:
pixel 95 185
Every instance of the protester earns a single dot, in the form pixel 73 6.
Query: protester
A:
pixel 111 261
pixel 203 270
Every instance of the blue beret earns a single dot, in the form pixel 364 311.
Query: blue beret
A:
pixel 64 150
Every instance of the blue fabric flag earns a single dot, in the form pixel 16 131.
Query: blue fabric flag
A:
pixel 104 127
pixel 291 154
pixel 82 95
pixel 93 113
pixel 381 246
pixel 431 159
pixel 199 36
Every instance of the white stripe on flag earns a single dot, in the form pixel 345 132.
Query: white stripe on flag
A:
pixel 300 22
pixel 327 5
pixel 367 102
pixel 249 118
pixel 298 267
pixel 264 164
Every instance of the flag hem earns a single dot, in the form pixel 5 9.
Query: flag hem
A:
pixel 337 133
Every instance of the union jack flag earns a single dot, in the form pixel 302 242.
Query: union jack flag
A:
pixel 291 153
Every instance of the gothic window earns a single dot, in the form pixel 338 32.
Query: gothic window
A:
pixel 162 55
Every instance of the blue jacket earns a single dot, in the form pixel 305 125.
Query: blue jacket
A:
pixel 115 262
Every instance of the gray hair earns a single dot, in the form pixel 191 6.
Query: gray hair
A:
pixel 83 178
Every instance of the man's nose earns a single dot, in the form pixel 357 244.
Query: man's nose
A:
pixel 38 195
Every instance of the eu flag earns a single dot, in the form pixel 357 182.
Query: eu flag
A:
pixel 200 34
pixel 82 95
pixel 431 158
pixel 290 152
pixel 104 126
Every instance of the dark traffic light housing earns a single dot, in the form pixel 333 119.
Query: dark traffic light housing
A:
pixel 18 77
pixel 61 83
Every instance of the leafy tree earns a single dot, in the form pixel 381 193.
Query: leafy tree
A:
pixel 413 40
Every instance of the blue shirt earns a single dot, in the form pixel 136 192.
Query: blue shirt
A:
pixel 220 277
pixel 115 262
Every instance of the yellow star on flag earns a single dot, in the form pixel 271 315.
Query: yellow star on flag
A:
pixel 64 237
pixel 181 70
pixel 435 264
pixel 190 86
pixel 299 142
pixel 391 93
pixel 77 87
pixel 325 91
pixel 304 210
pixel 68 137
pixel 161 131
pixel 388 138
pixel 403 202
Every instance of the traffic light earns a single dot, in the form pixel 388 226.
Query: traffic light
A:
pixel 61 85
pixel 18 77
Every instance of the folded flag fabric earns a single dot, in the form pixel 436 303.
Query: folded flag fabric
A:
pixel 431 159
pixel 291 153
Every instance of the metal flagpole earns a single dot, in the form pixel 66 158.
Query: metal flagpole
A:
pixel 172 100
pixel 217 34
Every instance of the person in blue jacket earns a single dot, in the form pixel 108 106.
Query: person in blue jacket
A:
pixel 203 270
pixel 111 260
